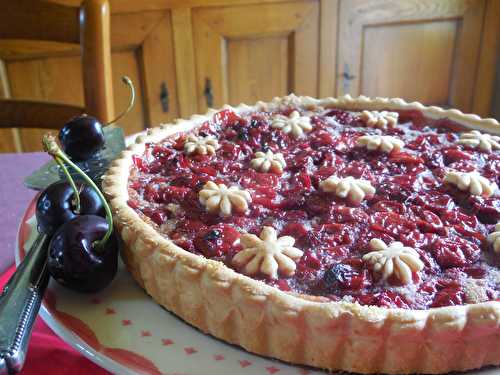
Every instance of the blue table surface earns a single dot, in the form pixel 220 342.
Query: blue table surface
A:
pixel 14 198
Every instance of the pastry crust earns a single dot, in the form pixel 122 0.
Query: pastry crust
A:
pixel 291 327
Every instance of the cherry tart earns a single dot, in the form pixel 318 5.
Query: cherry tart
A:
pixel 355 234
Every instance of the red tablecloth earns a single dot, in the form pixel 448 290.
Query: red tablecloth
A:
pixel 48 354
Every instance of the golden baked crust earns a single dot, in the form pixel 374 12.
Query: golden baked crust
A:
pixel 294 328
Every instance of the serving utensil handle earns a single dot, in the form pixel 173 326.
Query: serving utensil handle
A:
pixel 19 304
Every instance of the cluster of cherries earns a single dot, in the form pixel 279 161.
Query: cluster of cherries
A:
pixel 83 251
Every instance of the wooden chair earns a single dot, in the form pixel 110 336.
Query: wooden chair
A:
pixel 88 26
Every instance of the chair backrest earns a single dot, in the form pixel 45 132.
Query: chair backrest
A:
pixel 89 26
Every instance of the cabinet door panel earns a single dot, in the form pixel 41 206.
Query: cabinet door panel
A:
pixel 428 58
pixel 256 52
pixel 260 79
pixel 125 63
pixel 142 50
pixel 425 50
pixel 157 59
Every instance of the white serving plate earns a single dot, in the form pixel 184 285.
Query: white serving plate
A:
pixel 124 331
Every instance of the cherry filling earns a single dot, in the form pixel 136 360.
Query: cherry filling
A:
pixel 447 227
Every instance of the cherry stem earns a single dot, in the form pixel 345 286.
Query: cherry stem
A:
pixel 129 83
pixel 71 182
pixel 52 148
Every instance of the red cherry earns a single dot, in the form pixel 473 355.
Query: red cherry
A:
pixel 225 117
pixel 449 297
pixel 455 252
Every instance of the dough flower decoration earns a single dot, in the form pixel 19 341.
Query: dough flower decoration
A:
pixel 494 238
pixel 384 143
pixel 291 100
pixel 267 254
pixel 380 120
pixel 201 145
pixel 218 198
pixel 395 259
pixel 268 161
pixel 472 182
pixel 349 187
pixel 295 124
pixel 476 139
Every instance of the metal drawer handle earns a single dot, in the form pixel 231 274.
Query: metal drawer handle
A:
pixel 347 78
pixel 209 96
pixel 164 97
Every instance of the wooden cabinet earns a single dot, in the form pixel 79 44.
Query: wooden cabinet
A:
pixel 187 55
pixel 423 50
pixel 254 52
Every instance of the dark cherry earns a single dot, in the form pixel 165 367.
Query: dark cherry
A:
pixel 337 276
pixel 55 205
pixel 342 116
pixel 82 137
pixel 74 261
pixel 212 235
pixel 218 240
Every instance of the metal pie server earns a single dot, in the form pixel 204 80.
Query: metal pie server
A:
pixel 19 305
